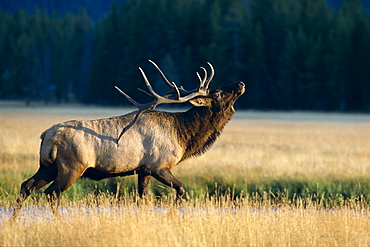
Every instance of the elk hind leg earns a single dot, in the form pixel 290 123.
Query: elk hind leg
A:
pixel 42 177
pixel 63 181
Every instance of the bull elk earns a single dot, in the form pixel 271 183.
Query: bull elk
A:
pixel 148 143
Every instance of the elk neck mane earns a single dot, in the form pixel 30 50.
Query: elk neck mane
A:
pixel 199 128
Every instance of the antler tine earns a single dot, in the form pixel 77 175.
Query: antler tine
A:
pixel 205 74
pixel 200 81
pixel 127 97
pixel 170 84
pixel 177 91
pixel 147 83
pixel 145 92
pixel 211 76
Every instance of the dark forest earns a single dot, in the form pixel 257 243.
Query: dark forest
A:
pixel 291 54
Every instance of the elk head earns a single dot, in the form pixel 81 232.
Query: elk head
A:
pixel 221 98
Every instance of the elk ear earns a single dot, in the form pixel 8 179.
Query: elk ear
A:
pixel 200 102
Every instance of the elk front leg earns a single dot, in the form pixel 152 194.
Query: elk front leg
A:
pixel 143 181
pixel 165 176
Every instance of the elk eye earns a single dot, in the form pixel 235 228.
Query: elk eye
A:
pixel 217 95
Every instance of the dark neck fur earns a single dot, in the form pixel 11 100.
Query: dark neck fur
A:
pixel 199 128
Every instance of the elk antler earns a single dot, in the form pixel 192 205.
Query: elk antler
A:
pixel 201 90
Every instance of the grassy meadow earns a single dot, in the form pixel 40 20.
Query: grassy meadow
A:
pixel 271 179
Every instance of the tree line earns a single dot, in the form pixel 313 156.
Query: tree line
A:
pixel 292 54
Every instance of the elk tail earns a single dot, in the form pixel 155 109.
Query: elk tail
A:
pixel 48 149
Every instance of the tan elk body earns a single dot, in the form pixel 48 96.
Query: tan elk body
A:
pixel 92 143
pixel 151 143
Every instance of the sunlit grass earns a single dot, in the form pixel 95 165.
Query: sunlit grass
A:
pixel 271 179
pixel 100 221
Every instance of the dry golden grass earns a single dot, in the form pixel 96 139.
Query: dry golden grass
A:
pixel 255 147
pixel 189 225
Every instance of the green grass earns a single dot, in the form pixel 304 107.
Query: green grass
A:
pixel 330 193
